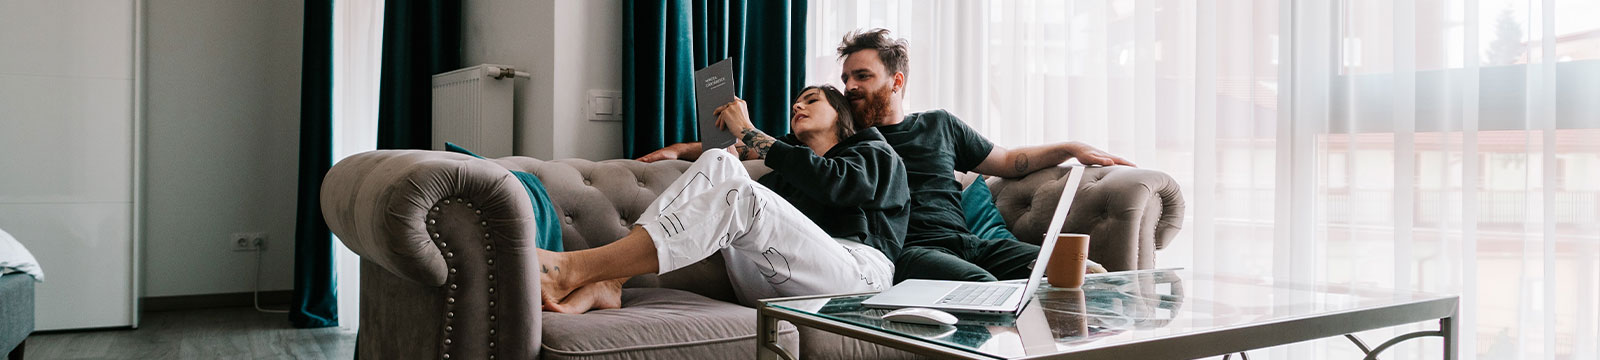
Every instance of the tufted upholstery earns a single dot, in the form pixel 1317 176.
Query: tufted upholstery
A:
pixel 1128 213
pixel 447 258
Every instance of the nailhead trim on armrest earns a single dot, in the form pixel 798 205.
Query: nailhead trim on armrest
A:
pixel 450 299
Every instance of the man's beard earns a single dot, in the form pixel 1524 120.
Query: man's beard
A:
pixel 874 107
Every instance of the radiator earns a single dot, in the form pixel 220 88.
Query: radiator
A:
pixel 472 107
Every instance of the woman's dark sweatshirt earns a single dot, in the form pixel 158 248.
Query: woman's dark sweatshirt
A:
pixel 857 190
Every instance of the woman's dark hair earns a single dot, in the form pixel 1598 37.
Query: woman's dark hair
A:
pixel 845 123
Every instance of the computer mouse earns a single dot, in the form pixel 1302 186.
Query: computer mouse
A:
pixel 925 316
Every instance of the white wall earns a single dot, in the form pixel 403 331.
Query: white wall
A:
pixel 222 118
pixel 570 47
pixel 67 154
pixel 222 143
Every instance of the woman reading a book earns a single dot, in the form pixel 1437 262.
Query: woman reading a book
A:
pixel 829 218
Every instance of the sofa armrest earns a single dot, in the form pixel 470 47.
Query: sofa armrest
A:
pixel 453 236
pixel 1128 212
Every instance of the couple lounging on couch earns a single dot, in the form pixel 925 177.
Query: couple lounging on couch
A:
pixel 449 267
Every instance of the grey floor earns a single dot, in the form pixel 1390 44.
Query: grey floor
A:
pixel 232 333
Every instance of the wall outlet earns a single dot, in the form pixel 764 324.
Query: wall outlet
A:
pixel 256 241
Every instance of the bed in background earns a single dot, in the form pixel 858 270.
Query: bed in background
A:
pixel 18 272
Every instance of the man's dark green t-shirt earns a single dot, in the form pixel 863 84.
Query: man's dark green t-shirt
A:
pixel 934 145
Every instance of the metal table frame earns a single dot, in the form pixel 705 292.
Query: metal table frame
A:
pixel 1206 343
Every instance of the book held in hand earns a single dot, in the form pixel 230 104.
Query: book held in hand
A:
pixel 713 87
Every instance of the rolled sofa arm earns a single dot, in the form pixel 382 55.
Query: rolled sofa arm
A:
pixel 448 254
pixel 1128 212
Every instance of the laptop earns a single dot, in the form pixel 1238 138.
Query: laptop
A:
pixel 982 297
pixel 713 87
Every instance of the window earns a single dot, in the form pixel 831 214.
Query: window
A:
pixel 1458 143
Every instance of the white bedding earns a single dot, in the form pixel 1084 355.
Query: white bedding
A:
pixel 15 258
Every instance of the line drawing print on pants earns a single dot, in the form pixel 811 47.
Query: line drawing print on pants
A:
pixel 779 265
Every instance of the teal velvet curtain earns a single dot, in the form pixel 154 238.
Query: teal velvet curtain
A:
pixel 420 38
pixel 665 41
pixel 314 302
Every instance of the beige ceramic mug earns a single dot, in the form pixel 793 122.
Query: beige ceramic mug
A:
pixel 1068 261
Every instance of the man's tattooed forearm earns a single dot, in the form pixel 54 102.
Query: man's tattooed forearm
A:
pixel 1022 164
pixel 757 140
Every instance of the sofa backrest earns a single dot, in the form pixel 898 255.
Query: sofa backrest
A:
pixel 598 202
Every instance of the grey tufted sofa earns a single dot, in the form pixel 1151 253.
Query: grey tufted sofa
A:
pixel 447 259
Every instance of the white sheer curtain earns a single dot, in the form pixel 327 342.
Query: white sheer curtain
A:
pixel 1447 146
pixel 1456 155
pixel 357 58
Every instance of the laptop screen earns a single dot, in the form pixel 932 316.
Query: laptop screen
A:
pixel 1046 247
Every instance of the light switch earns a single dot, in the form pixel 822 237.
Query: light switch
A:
pixel 608 105
pixel 605 105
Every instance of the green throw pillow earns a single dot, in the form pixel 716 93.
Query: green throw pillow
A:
pixel 977 205
pixel 544 211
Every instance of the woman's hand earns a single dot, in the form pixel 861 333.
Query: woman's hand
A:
pixel 734 117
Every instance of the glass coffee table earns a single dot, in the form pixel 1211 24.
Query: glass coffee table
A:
pixel 1150 314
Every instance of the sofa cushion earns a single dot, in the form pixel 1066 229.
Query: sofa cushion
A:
pixel 657 323
pixel 983 219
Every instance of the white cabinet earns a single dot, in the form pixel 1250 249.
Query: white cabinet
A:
pixel 67 155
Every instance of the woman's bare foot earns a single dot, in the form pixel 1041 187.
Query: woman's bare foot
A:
pixel 632 255
pixel 554 282
pixel 601 295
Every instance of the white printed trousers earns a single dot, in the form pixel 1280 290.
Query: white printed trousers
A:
pixel 771 248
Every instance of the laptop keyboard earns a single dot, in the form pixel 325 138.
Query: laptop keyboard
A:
pixel 977 295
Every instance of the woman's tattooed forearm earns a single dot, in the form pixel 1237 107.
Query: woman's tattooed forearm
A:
pixel 743 151
pixel 758 141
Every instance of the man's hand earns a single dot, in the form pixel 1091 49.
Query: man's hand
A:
pixel 684 151
pixel 1089 155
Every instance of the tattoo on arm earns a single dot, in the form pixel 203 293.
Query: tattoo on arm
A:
pixel 1021 165
pixel 744 152
pixel 758 141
